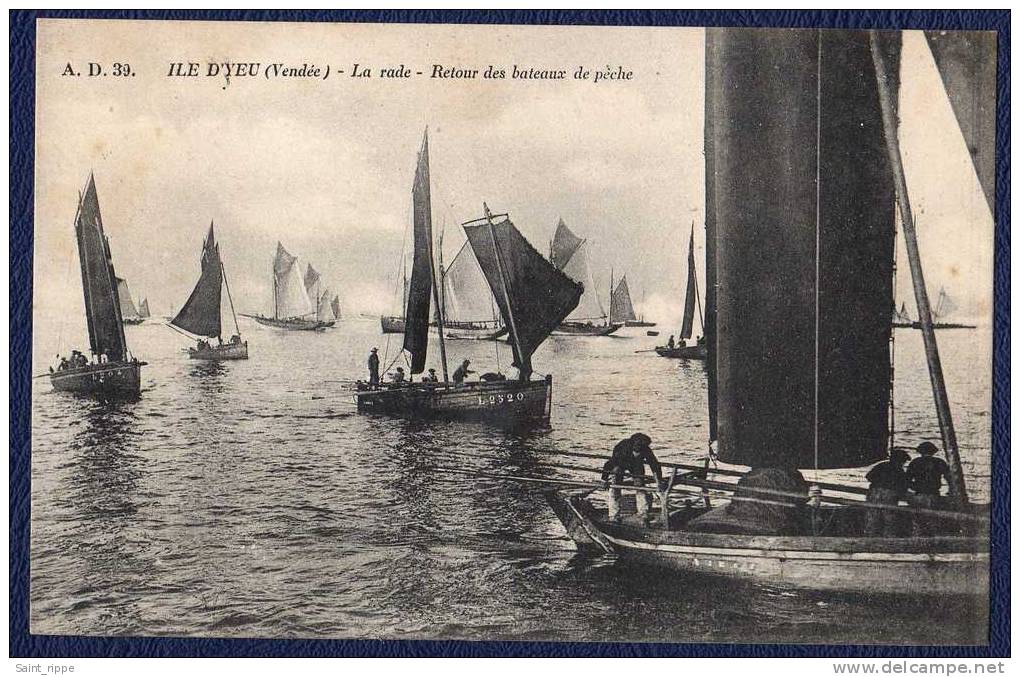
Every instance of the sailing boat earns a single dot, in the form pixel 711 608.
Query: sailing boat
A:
pixel 200 314
pixel 699 351
pixel 319 296
pixel 128 313
pixel 569 254
pixel 292 307
pixel 112 372
pixel 334 305
pixel 143 309
pixel 533 297
pixel 469 309
pixel 621 308
pixel 945 306
pixel 821 399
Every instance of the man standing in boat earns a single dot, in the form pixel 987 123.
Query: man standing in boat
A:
pixel 888 485
pixel 462 372
pixel 925 475
pixel 630 457
pixel 373 367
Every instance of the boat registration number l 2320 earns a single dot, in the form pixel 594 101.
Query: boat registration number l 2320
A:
pixel 492 400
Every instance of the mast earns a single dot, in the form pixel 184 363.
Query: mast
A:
pixel 506 296
pixel 957 482
pixel 226 285
pixel 436 293
pixel 610 295
pixel 697 294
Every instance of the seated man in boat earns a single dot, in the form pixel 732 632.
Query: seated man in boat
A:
pixel 430 377
pixel 203 344
pixel 888 485
pixel 630 457
pixel 235 339
pixel 462 372
pixel 398 376
pixel 925 475
pixel 671 343
pixel 64 364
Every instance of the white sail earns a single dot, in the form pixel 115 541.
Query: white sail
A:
pixel 127 306
pixel 291 297
pixel 466 293
pixel 324 312
pixel 589 308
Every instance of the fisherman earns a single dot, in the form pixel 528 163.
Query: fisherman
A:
pixel 64 365
pixel 462 372
pixel 399 376
pixel 430 377
pixel 671 343
pixel 235 339
pixel 925 475
pixel 630 456
pixel 373 366
pixel 888 485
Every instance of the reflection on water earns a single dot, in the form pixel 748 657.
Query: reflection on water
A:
pixel 249 499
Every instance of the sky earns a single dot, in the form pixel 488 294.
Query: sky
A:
pixel 326 167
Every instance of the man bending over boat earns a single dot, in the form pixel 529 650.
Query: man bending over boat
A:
pixel 888 485
pixel 462 372
pixel 630 457
pixel 925 474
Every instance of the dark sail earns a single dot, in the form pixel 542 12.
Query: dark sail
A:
pixel 802 272
pixel 530 292
pixel 419 291
pixel 966 62
pixel 621 308
pixel 564 245
pixel 687 328
pixel 98 280
pixel 201 313
pixel 335 306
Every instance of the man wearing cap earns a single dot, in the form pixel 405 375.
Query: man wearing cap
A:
pixel 462 372
pixel 630 457
pixel 925 475
pixel 373 366
pixel 888 485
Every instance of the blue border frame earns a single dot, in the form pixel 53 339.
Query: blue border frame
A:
pixel 22 135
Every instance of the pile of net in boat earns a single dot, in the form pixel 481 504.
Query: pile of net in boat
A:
pixel 767 502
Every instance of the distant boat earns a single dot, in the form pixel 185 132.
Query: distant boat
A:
pixel 321 297
pixel 945 306
pixel 533 297
pixel 200 315
pixel 335 305
pixel 112 372
pixel 293 309
pixel 569 254
pixel 682 351
pixel 143 309
pixel 394 324
pixel 621 308
pixel 128 313
pixel 469 309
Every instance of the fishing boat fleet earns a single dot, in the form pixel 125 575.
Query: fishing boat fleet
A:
pixel 778 264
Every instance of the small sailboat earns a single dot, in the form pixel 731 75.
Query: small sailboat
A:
pixel 943 310
pixel 821 398
pixel 293 309
pixel 143 309
pixel 533 297
pixel 128 312
pixel 569 254
pixel 112 371
pixel 200 314
pixel 621 308
pixel 320 297
pixel 469 309
pixel 681 350
pixel 334 305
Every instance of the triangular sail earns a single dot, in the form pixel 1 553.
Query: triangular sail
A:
pixel 621 308
pixel 335 306
pixel 945 305
pixel 291 298
pixel 324 310
pixel 200 314
pixel 419 291
pixel 98 280
pixel 467 296
pixel 532 295
pixel 687 327
pixel 143 308
pixel 578 269
pixel 127 306
pixel 564 245
pixel 312 278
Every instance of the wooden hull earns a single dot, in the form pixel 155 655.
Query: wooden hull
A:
pixel 227 351
pixel 292 324
pixel 474 333
pixel 583 329
pixel 696 352
pixel 109 380
pixel 505 402
pixel 392 324
pixel 638 323
pixel 934 566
